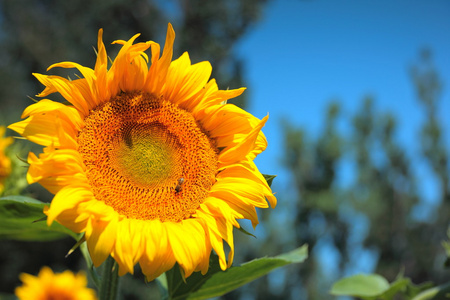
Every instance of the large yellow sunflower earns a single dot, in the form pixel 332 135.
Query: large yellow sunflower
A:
pixel 5 162
pixel 50 286
pixel 149 162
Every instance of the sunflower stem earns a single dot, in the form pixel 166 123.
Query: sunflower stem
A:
pixel 110 280
pixel 90 265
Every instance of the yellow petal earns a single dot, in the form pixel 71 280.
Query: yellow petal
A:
pixel 185 80
pixel 228 120
pixel 216 97
pixel 159 68
pixel 66 89
pixel 101 69
pixel 135 75
pixel 217 233
pixel 158 255
pixel 247 171
pixel 122 253
pixel 102 239
pixel 238 152
pixel 67 198
pixel 120 64
pixel 55 169
pixel 47 129
pixel 187 239
pixel 90 93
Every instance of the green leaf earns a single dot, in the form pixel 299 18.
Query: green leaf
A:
pixel 90 265
pixel 4 296
pixel 361 286
pixel 446 245
pixel 434 293
pixel 399 285
pixel 162 286
pixel 217 282
pixel 241 229
pixel 269 178
pixel 17 221
pixel 376 287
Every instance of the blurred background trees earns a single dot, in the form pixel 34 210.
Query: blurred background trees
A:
pixel 37 33
pixel 353 195
pixel 377 216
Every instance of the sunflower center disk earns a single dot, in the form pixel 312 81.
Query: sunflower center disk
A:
pixel 147 158
pixel 146 154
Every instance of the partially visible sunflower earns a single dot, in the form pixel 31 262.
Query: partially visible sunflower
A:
pixel 50 286
pixel 149 162
pixel 5 161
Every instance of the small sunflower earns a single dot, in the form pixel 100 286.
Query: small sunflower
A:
pixel 50 286
pixel 148 161
pixel 5 162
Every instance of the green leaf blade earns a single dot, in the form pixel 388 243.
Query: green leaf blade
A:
pixel 361 285
pixel 216 282
pixel 269 178
pixel 17 221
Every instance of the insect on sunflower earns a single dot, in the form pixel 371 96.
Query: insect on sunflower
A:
pixel 148 161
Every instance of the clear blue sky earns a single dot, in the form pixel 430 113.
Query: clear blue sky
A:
pixel 302 54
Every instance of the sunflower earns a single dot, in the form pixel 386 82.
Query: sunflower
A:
pixel 148 161
pixel 5 162
pixel 50 286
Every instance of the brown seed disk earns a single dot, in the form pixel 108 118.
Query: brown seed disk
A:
pixel 137 147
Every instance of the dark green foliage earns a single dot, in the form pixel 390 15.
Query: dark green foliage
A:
pixel 429 89
pixel 373 286
pixel 22 219
pixel 216 282
pixel 313 164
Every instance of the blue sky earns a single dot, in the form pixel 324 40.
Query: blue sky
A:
pixel 302 54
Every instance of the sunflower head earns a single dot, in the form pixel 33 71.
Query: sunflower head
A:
pixel 147 160
pixel 50 286
pixel 5 161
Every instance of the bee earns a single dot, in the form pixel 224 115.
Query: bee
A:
pixel 179 186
